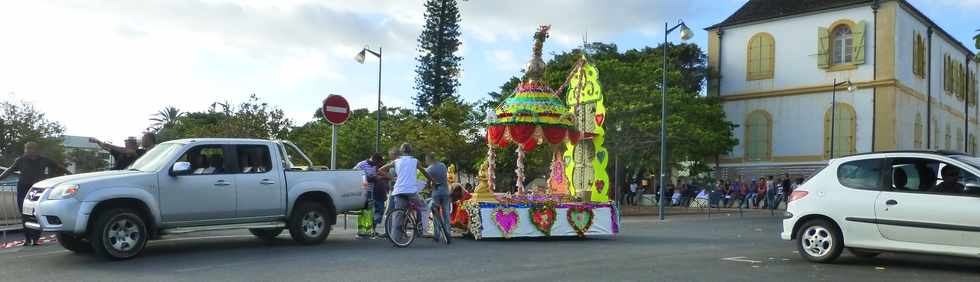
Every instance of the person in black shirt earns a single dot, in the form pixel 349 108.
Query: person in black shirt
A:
pixel 123 156
pixel 32 167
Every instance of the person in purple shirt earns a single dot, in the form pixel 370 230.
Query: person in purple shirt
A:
pixel 370 168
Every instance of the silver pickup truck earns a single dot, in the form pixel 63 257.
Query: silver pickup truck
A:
pixel 195 185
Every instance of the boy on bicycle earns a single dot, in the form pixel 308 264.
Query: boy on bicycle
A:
pixel 406 186
pixel 440 192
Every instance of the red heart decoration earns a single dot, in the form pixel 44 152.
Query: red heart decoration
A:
pixel 599 119
pixel 543 218
pixel 599 184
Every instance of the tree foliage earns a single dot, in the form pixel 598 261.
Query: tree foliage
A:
pixel 696 125
pixel 250 119
pixel 457 143
pixel 165 118
pixel 20 123
pixel 438 69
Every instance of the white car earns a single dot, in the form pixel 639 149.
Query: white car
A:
pixel 911 201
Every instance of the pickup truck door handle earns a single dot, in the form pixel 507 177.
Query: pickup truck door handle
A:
pixel 267 182
pixel 222 183
pixel 891 202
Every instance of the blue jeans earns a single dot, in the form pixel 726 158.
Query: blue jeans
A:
pixel 749 200
pixel 442 200
pixel 379 211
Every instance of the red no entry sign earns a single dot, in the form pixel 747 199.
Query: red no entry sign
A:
pixel 335 109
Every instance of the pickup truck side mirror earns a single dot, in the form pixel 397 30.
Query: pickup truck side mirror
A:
pixel 180 168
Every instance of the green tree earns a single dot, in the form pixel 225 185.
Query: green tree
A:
pixel 165 118
pixel 438 70
pixel 86 160
pixel 19 123
pixel 696 125
pixel 250 119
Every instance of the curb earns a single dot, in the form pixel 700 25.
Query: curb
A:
pixel 20 243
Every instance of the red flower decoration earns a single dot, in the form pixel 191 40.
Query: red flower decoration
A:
pixel 519 133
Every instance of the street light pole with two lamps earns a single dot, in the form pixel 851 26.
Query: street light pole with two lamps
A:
pixel 360 59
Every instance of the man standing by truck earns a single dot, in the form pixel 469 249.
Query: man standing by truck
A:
pixel 365 221
pixel 123 156
pixel 32 167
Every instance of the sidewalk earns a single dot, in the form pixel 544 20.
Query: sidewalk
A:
pixel 654 210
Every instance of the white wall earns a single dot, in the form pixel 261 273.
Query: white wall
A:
pixel 795 52
pixel 798 121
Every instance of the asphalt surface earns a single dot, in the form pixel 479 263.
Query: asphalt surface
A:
pixel 724 247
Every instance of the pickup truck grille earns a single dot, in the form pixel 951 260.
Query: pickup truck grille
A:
pixel 35 193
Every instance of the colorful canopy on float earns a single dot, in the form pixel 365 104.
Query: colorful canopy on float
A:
pixel 533 115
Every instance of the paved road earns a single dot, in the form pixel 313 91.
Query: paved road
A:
pixel 684 248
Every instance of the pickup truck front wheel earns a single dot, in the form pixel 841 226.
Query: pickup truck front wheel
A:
pixel 118 234
pixel 309 223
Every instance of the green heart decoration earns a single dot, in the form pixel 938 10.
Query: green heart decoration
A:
pixel 601 156
pixel 580 218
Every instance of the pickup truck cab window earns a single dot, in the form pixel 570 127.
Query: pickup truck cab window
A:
pixel 253 159
pixel 206 159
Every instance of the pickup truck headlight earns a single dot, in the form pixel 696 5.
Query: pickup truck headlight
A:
pixel 63 192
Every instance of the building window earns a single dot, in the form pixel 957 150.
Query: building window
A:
pixel 959 139
pixel 919 57
pixel 758 136
pixel 761 57
pixel 954 77
pixel 842 47
pixel 949 137
pixel 918 131
pixel 844 131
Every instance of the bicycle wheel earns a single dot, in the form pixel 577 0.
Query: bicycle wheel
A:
pixel 409 228
pixel 440 225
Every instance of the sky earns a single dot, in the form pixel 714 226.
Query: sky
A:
pixel 102 68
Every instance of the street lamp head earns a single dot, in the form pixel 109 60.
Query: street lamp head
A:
pixel 850 87
pixel 360 56
pixel 686 32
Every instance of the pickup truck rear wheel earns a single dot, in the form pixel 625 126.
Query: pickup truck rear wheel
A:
pixel 73 243
pixel 309 224
pixel 118 234
pixel 266 234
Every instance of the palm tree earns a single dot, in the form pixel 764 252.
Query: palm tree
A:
pixel 166 117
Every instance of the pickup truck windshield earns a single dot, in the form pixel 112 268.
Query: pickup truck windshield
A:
pixel 156 158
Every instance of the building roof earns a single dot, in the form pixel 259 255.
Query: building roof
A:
pixel 78 142
pixel 760 10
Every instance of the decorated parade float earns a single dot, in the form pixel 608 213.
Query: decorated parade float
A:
pixel 575 201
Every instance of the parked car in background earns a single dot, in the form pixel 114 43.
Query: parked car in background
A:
pixel 193 185
pixel 908 201
pixel 9 214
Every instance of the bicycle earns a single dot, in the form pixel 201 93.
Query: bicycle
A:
pixel 410 224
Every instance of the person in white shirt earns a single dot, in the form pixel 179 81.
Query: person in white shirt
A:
pixel 406 187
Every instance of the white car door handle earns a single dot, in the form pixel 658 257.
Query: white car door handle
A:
pixel 267 182
pixel 222 183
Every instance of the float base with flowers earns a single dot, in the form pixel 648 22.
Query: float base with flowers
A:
pixel 576 201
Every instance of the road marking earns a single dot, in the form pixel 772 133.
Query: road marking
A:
pixel 741 259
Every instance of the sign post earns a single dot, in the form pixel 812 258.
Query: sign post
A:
pixel 336 111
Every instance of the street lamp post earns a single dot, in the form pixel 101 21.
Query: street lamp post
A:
pixel 685 35
pixel 833 111
pixel 360 59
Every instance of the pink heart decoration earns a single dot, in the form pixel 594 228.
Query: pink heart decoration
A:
pixel 599 119
pixel 599 184
pixel 507 220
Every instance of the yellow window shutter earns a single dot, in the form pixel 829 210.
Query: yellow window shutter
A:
pixel 823 47
pixel 859 43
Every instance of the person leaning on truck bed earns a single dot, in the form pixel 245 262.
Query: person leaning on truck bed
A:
pixel 123 156
pixel 32 167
